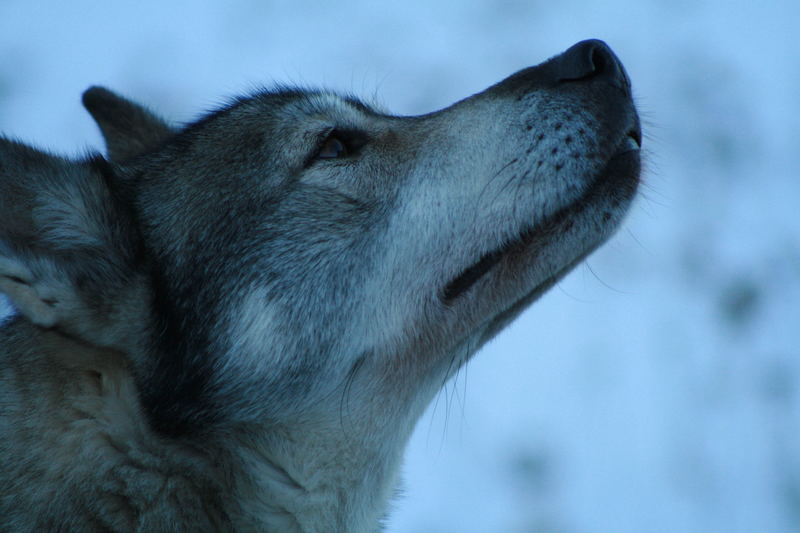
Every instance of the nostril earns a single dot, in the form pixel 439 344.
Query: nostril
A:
pixel 599 60
pixel 581 61
pixel 588 60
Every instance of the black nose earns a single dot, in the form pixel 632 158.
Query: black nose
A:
pixel 591 59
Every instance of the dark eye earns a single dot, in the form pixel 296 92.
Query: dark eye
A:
pixel 332 148
pixel 340 143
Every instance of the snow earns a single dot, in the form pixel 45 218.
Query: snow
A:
pixel 657 388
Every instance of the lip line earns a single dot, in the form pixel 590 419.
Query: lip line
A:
pixel 472 274
pixel 468 277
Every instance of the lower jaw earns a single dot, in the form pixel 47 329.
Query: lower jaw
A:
pixel 620 176
pixel 501 320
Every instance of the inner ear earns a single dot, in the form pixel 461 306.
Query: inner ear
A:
pixel 70 250
pixel 39 310
pixel 129 129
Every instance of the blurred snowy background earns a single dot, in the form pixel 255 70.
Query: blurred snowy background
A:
pixel 657 389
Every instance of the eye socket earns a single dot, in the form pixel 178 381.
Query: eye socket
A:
pixel 332 148
pixel 339 143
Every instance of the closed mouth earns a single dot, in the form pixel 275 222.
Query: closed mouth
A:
pixel 632 141
pixel 628 147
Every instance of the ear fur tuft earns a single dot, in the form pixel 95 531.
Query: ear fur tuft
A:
pixel 68 241
pixel 129 129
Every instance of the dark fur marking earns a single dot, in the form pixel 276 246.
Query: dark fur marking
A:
pixel 177 394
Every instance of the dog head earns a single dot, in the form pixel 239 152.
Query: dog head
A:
pixel 296 255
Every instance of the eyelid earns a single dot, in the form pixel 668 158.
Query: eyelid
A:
pixel 352 139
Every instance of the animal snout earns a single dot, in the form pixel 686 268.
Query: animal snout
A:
pixel 591 59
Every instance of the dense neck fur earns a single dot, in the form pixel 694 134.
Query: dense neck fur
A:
pixel 284 483
pixel 317 476
pixel 324 473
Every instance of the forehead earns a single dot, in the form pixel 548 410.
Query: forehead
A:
pixel 271 118
pixel 289 104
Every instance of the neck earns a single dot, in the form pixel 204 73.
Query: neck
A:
pixel 322 471
pixel 291 484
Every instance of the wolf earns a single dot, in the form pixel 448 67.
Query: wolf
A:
pixel 234 325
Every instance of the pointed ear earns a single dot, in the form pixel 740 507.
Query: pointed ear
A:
pixel 129 129
pixel 69 248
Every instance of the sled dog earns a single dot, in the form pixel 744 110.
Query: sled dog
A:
pixel 234 325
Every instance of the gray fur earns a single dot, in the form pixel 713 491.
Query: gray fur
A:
pixel 235 326
pixel 128 128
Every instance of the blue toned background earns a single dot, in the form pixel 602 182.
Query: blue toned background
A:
pixel 657 388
